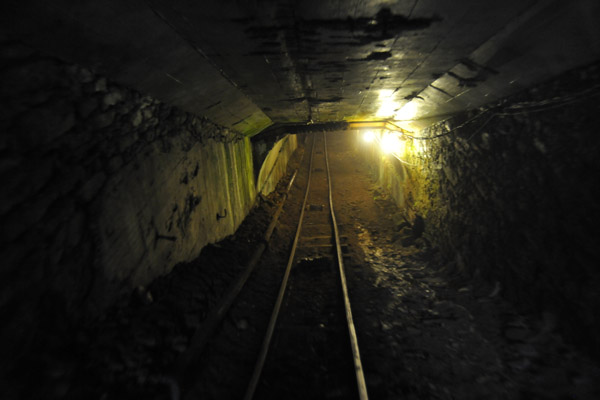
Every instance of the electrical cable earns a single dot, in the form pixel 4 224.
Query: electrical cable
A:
pixel 517 109
pixel 448 132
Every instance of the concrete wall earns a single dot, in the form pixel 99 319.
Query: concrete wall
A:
pixel 513 195
pixel 275 164
pixel 389 173
pixel 138 46
pixel 103 189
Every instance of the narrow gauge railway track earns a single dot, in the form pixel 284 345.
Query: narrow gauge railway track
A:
pixel 310 349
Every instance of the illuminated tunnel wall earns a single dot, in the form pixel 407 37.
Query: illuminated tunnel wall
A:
pixel 512 195
pixel 106 188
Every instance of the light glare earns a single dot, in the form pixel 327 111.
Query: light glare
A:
pixel 387 105
pixel 408 111
pixel 391 144
pixel 369 136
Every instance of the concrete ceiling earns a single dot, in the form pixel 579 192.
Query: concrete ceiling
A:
pixel 248 64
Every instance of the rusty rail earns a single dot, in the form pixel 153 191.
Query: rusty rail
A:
pixel 360 379
pixel 262 356
pixel 215 317
pixel 358 369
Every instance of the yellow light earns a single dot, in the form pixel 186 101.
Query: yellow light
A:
pixel 386 109
pixel 387 144
pixel 369 136
pixel 407 112
pixel 401 147
pixel 385 93
pixel 387 106
pixel 391 144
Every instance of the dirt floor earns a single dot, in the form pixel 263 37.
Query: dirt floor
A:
pixel 425 331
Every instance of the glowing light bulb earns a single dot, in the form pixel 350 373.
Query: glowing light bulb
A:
pixel 368 136
pixel 391 144
pixel 388 143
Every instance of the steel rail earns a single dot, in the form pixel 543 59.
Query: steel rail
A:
pixel 275 314
pixel 202 336
pixel 359 373
pixel 360 376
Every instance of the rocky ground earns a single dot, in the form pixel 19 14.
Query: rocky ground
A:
pixel 428 332
pixel 425 330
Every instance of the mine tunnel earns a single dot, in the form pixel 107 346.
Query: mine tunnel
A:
pixel 300 199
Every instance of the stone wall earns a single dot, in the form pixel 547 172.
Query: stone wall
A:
pixel 103 189
pixel 512 193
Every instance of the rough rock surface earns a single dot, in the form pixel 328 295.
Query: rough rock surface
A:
pixel 103 190
pixel 427 330
pixel 510 193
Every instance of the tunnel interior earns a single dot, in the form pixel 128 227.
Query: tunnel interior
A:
pixel 146 145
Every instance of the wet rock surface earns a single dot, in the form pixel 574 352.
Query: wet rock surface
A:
pixel 425 329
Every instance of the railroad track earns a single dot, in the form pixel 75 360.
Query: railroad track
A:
pixel 310 349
